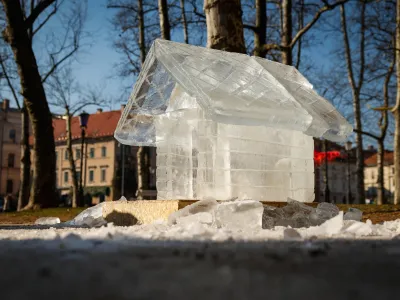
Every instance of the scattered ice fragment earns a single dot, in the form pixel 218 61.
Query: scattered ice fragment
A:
pixel 353 214
pixel 47 221
pixel 357 228
pixel 91 217
pixel 327 209
pixel 199 218
pixel 290 233
pixel 328 228
pixel 299 206
pixel 197 207
pixel 239 214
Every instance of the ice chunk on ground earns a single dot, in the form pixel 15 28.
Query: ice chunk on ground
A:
pixel 246 214
pixel 47 221
pixel 324 212
pixel 91 217
pixel 299 206
pixel 290 233
pixel 353 214
pixel 199 218
pixel 328 228
pixel 357 228
pixel 208 205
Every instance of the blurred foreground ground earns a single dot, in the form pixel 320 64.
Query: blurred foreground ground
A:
pixel 376 213
pixel 39 269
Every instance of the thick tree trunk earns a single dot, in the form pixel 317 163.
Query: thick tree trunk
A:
pixel 381 165
pixel 286 37
pixel 396 145
pixel 184 23
pixel 74 177
pixel 25 167
pixel 260 34
pixel 224 25
pixel 164 20
pixel 43 191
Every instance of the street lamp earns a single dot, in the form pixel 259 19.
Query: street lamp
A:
pixel 326 180
pixel 348 146
pixel 83 121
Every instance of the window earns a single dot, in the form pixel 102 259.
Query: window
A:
pixel 66 154
pixel 10 186
pixel 372 175
pixel 103 175
pixel 12 134
pixel 66 177
pixel 91 175
pixel 78 153
pixel 56 155
pixel 78 176
pixel 11 160
pixel 103 151
pixel 91 153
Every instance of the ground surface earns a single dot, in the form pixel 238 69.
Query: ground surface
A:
pixel 175 270
pixel 375 213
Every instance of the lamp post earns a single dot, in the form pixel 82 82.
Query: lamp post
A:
pixel 326 180
pixel 347 146
pixel 83 121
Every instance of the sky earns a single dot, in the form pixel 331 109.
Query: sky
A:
pixel 94 66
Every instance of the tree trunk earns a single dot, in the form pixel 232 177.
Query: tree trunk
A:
pixel 359 151
pixel 25 167
pixel 142 167
pixel 260 34
pixel 164 20
pixel 142 43
pixel 184 23
pixel 143 172
pixel 396 112
pixel 286 37
pixel 75 188
pixel 381 165
pixel 224 25
pixel 43 191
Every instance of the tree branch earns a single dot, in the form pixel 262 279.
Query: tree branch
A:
pixel 367 133
pixel 324 9
pixel 42 6
pixel 9 83
pixel 53 12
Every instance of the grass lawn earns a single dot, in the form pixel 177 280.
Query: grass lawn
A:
pixel 29 217
pixel 375 213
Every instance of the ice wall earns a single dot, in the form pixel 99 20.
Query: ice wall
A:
pixel 199 158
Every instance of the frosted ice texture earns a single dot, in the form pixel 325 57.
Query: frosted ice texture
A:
pixel 227 125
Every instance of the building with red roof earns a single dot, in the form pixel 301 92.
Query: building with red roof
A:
pixel 102 159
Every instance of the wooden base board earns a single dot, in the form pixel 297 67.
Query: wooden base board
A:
pixel 127 213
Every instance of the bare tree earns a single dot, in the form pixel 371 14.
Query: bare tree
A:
pixel 224 25
pixel 288 41
pixel 396 111
pixel 67 94
pixel 23 21
pixel 164 19
pixel 184 22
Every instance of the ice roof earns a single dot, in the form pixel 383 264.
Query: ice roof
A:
pixel 231 88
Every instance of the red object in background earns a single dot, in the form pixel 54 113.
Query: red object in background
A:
pixel 319 157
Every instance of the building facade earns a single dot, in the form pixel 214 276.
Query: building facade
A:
pixel 371 176
pixel 10 149
pixel 337 174
pixel 103 159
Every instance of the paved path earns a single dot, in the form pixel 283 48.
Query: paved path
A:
pixel 162 270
